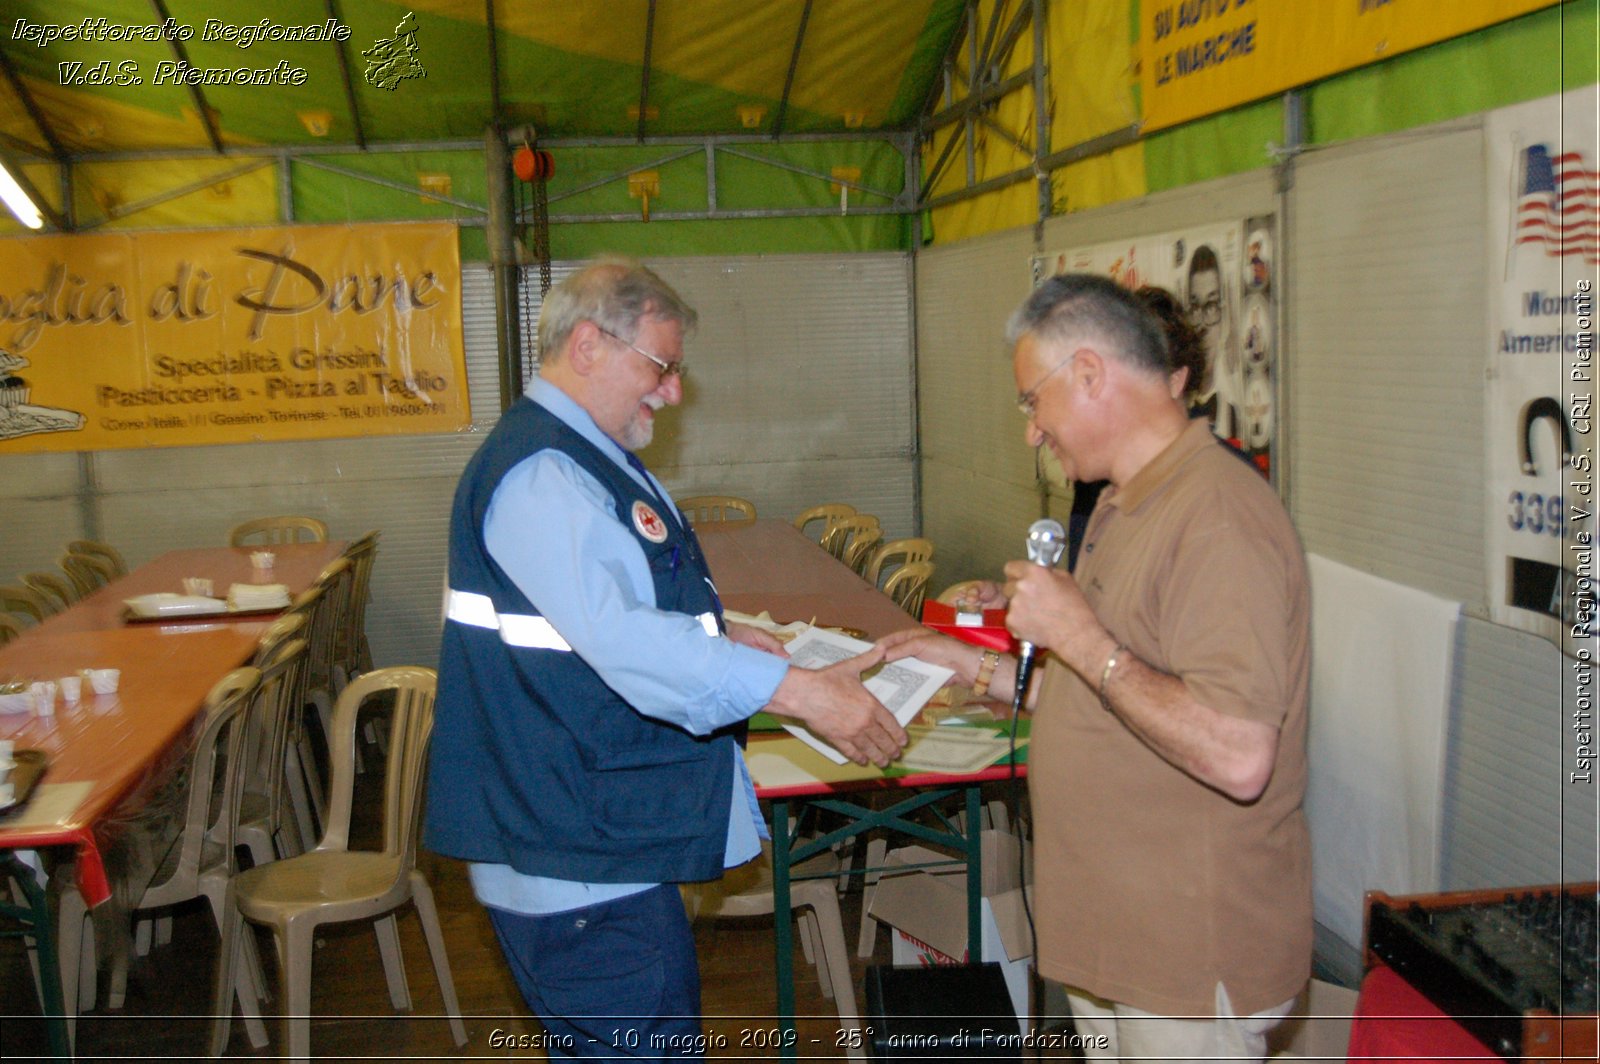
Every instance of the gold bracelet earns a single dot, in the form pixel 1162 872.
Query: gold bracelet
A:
pixel 986 667
pixel 1105 674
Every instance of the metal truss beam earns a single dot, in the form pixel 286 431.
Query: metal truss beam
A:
pixel 1054 161
pixel 957 39
pixel 494 62
pixel 1020 21
pixel 995 14
pixel 777 164
pixel 35 113
pixel 644 68
pixel 622 175
pixel 349 84
pixel 977 100
pixel 397 186
pixel 201 107
pixel 794 64
pixel 893 137
pixel 722 215
pixel 174 193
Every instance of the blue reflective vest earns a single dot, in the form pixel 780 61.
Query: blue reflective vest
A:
pixel 535 762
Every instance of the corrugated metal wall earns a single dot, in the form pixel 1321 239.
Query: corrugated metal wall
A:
pixel 978 488
pixel 1511 816
pixel 800 385
pixel 801 392
pixel 1387 240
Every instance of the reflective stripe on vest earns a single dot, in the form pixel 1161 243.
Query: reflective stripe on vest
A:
pixel 522 629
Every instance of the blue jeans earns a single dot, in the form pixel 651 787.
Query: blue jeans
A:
pixel 618 979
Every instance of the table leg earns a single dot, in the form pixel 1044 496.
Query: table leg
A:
pixel 35 920
pixel 783 930
pixel 974 875
pixel 785 853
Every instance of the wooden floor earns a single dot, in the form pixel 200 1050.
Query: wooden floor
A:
pixel 169 991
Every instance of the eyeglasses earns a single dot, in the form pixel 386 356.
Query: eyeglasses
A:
pixel 668 369
pixel 1206 312
pixel 1028 401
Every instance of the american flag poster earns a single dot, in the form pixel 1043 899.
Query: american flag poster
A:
pixel 1544 280
pixel 1557 201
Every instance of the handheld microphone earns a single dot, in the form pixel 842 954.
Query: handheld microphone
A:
pixel 1046 542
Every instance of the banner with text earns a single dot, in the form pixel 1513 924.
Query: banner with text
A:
pixel 1198 57
pixel 1544 268
pixel 1223 275
pixel 160 339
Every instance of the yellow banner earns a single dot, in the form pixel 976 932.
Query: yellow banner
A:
pixel 161 339
pixel 1198 57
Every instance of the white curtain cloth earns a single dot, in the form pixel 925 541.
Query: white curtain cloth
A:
pixel 1380 684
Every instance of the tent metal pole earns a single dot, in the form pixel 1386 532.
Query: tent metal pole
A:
pixel 503 261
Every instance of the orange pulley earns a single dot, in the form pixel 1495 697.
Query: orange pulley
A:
pixel 533 164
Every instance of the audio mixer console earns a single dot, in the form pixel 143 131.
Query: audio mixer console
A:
pixel 1516 967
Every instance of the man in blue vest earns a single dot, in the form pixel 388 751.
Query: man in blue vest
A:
pixel 585 753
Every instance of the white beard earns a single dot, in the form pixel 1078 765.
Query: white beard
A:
pixel 640 431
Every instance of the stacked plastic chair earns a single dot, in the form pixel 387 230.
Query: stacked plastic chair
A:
pixel 286 528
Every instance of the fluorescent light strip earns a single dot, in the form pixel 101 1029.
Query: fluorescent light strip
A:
pixel 25 209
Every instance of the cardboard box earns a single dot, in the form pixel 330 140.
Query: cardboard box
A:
pixel 926 910
pixel 1319 1026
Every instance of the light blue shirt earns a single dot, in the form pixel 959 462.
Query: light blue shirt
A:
pixel 553 528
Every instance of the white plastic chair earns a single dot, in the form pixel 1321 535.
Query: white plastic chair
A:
pixel 288 528
pixel 268 781
pixel 202 862
pixel 747 891
pixel 334 884
pixel 828 513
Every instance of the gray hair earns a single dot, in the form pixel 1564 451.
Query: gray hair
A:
pixel 616 294
pixel 1071 307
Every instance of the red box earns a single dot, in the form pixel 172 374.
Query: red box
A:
pixel 941 617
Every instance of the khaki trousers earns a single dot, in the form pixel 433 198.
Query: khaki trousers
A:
pixel 1128 1033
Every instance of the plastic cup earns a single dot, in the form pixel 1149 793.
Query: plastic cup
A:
pixel 198 585
pixel 44 697
pixel 262 559
pixel 104 681
pixel 71 689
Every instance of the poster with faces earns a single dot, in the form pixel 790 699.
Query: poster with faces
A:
pixel 1221 275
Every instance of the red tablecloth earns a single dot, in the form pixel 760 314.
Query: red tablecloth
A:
pixel 1393 1022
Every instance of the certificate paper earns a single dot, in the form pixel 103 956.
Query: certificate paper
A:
pixel 954 750
pixel 903 686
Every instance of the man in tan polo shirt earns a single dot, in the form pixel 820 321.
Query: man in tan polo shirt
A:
pixel 1167 773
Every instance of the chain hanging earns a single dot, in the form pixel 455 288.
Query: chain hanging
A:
pixel 534 168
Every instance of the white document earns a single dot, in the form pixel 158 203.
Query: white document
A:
pixel 954 750
pixel 903 686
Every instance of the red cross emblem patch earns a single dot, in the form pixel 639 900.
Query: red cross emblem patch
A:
pixel 649 523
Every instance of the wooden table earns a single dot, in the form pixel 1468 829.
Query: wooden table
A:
pixel 115 743
pixel 770 566
pixel 296 567
pixel 111 755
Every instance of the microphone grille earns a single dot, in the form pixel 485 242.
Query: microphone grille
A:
pixel 1047 541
